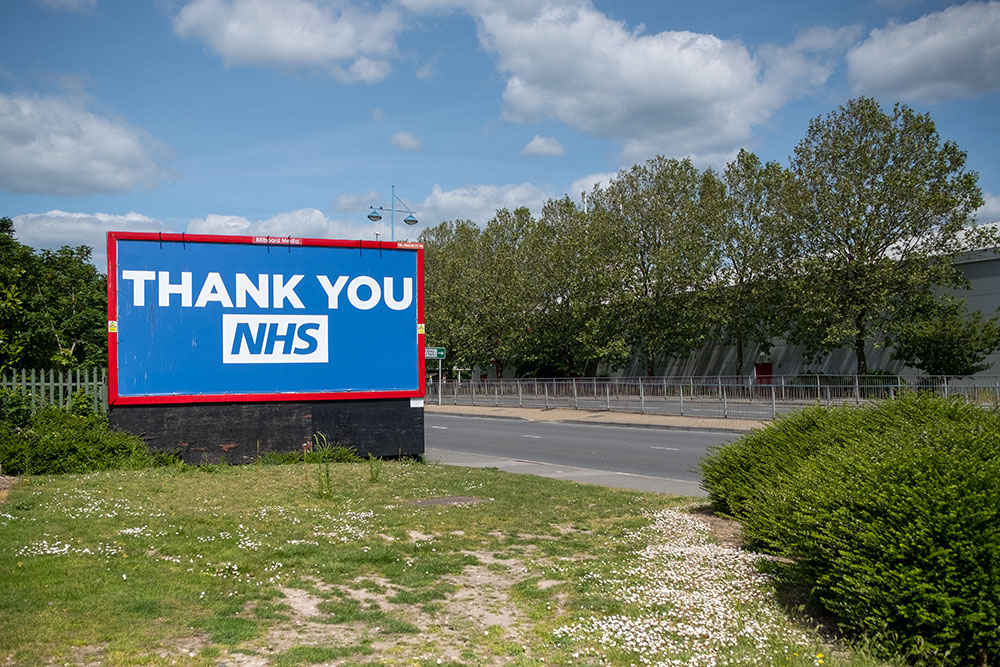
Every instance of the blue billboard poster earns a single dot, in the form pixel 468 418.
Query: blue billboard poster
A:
pixel 195 318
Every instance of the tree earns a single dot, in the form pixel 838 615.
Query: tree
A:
pixel 753 237
pixel 53 306
pixel 885 205
pixel 505 302
pixel 450 253
pixel 661 217
pixel 12 258
pixel 66 310
pixel 941 337
pixel 573 325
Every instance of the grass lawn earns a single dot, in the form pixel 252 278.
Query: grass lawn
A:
pixel 365 563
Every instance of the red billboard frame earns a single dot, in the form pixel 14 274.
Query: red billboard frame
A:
pixel 277 241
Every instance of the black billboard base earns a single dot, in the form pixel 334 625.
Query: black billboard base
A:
pixel 240 432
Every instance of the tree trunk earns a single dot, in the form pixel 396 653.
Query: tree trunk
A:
pixel 650 363
pixel 739 357
pixel 859 351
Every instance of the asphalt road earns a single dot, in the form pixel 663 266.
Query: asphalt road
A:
pixel 650 453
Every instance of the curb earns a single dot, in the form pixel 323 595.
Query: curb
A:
pixel 676 427
pixel 480 415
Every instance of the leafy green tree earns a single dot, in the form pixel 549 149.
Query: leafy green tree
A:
pixel 661 217
pixel 505 301
pixel 941 337
pixel 450 253
pixel 66 310
pixel 753 235
pixel 53 306
pixel 573 325
pixel 886 203
pixel 14 257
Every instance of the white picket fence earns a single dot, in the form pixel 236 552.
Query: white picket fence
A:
pixel 57 387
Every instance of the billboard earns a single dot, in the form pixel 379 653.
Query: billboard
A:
pixel 195 318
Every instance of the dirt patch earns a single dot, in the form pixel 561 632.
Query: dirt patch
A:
pixel 482 598
pixel 417 536
pixel 727 531
pixel 303 603
pixel 6 484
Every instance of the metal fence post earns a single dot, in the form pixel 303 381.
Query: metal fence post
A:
pixel 946 386
pixel 774 408
pixel 520 404
pixel 607 393
pixel 546 387
pixel 829 402
pixel 576 405
pixel 857 391
pixel 496 394
pixel 642 399
pixel 725 401
pixel 472 383
pixel 682 398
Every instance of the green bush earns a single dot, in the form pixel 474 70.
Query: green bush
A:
pixel 891 516
pixel 55 441
pixel 15 407
pixel 733 474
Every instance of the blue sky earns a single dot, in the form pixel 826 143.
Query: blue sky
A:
pixel 293 117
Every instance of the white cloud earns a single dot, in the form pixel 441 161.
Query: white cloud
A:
pixel 351 42
pixel 990 211
pixel 587 183
pixel 357 202
pixel 543 146
pixel 71 5
pixel 951 53
pixel 58 228
pixel 479 203
pixel 405 141
pixel 675 92
pixel 57 146
pixel 426 71
pixel 303 223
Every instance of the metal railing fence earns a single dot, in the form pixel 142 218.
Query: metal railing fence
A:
pixel 715 396
pixel 57 387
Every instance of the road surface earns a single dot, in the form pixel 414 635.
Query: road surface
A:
pixel 655 459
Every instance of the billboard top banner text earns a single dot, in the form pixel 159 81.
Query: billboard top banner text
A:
pixel 222 318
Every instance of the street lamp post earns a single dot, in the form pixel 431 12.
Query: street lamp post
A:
pixel 410 219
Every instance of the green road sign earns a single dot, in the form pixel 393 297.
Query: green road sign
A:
pixel 434 353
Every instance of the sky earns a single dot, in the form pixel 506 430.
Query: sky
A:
pixel 294 117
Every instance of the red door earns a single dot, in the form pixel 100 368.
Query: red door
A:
pixel 763 372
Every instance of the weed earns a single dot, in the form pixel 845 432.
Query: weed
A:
pixel 374 468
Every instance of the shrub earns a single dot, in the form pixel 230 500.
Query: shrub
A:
pixel 55 441
pixel 15 407
pixel 892 520
pixel 734 474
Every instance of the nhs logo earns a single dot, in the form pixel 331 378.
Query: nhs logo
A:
pixel 275 339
